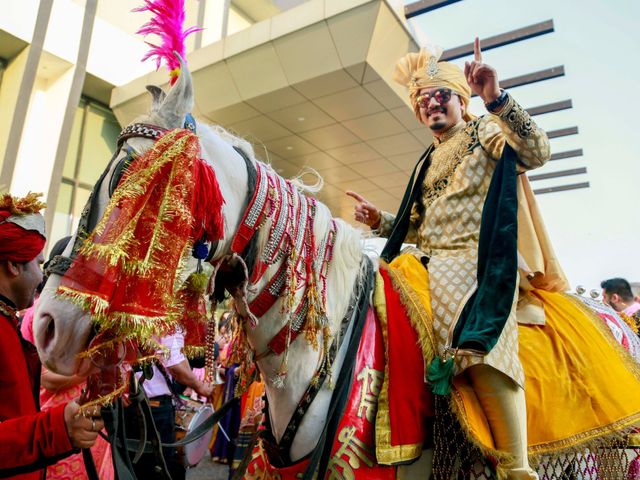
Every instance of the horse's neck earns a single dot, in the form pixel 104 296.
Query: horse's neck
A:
pixel 302 359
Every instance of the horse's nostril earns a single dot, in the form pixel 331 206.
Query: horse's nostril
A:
pixel 49 332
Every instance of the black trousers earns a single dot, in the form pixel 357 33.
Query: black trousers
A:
pixel 164 416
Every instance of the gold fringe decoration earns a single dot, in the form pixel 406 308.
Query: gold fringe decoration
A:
pixel 21 206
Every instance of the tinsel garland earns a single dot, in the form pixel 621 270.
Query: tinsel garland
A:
pixel 194 318
pixel 126 273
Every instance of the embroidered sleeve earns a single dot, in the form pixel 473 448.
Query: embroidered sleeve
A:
pixel 386 224
pixel 513 124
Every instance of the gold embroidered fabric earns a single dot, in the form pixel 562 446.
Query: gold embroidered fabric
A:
pixel 517 118
pixel 445 159
pixel 8 312
pixel 448 216
pixel 386 223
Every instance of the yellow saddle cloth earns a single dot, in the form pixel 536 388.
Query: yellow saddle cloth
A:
pixel 580 384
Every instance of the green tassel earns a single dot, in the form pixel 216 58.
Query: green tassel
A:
pixel 197 282
pixel 440 376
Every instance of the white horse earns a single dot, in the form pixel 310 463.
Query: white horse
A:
pixel 62 329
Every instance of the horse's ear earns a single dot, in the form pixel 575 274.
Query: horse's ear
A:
pixel 179 101
pixel 158 97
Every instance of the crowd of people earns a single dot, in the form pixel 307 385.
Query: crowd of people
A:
pixel 618 294
pixel 232 436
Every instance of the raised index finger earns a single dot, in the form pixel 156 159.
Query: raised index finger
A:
pixel 477 53
pixel 359 198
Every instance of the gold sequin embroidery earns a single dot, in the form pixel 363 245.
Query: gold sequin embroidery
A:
pixel 517 118
pixel 445 160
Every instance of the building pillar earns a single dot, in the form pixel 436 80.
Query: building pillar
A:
pixel 73 99
pixel 17 86
pixel 214 21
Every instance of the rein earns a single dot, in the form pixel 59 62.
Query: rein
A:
pixel 279 452
pixel 123 447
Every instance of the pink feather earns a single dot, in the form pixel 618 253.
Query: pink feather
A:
pixel 167 23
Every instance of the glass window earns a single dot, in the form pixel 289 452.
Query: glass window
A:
pixel 62 217
pixel 71 161
pixel 98 143
pixel 93 140
pixel 80 200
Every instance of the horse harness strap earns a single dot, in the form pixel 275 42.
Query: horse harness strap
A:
pixel 135 445
pixel 254 215
pixel 140 130
pixel 273 197
pixel 276 198
pixel 267 199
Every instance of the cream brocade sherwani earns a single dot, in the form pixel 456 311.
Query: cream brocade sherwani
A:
pixel 445 223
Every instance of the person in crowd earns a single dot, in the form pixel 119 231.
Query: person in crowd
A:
pixel 224 443
pixel 172 367
pixel 56 390
pixel 251 414
pixel 617 293
pixel 220 351
pixel 30 439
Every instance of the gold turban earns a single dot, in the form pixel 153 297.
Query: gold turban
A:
pixel 423 70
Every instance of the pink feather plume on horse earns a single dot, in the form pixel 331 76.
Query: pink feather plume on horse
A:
pixel 168 24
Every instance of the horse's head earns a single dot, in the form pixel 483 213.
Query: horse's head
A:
pixel 62 330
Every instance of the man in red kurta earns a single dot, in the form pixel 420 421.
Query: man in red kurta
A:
pixel 29 439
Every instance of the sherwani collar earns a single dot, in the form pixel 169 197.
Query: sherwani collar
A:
pixel 449 133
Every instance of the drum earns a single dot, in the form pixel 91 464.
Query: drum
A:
pixel 188 417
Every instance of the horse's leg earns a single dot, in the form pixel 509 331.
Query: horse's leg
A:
pixel 504 406
pixel 421 469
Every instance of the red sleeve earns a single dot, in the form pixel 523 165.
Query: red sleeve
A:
pixel 31 442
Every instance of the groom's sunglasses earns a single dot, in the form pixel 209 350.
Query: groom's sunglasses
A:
pixel 442 96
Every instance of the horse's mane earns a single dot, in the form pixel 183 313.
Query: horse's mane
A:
pixel 205 130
